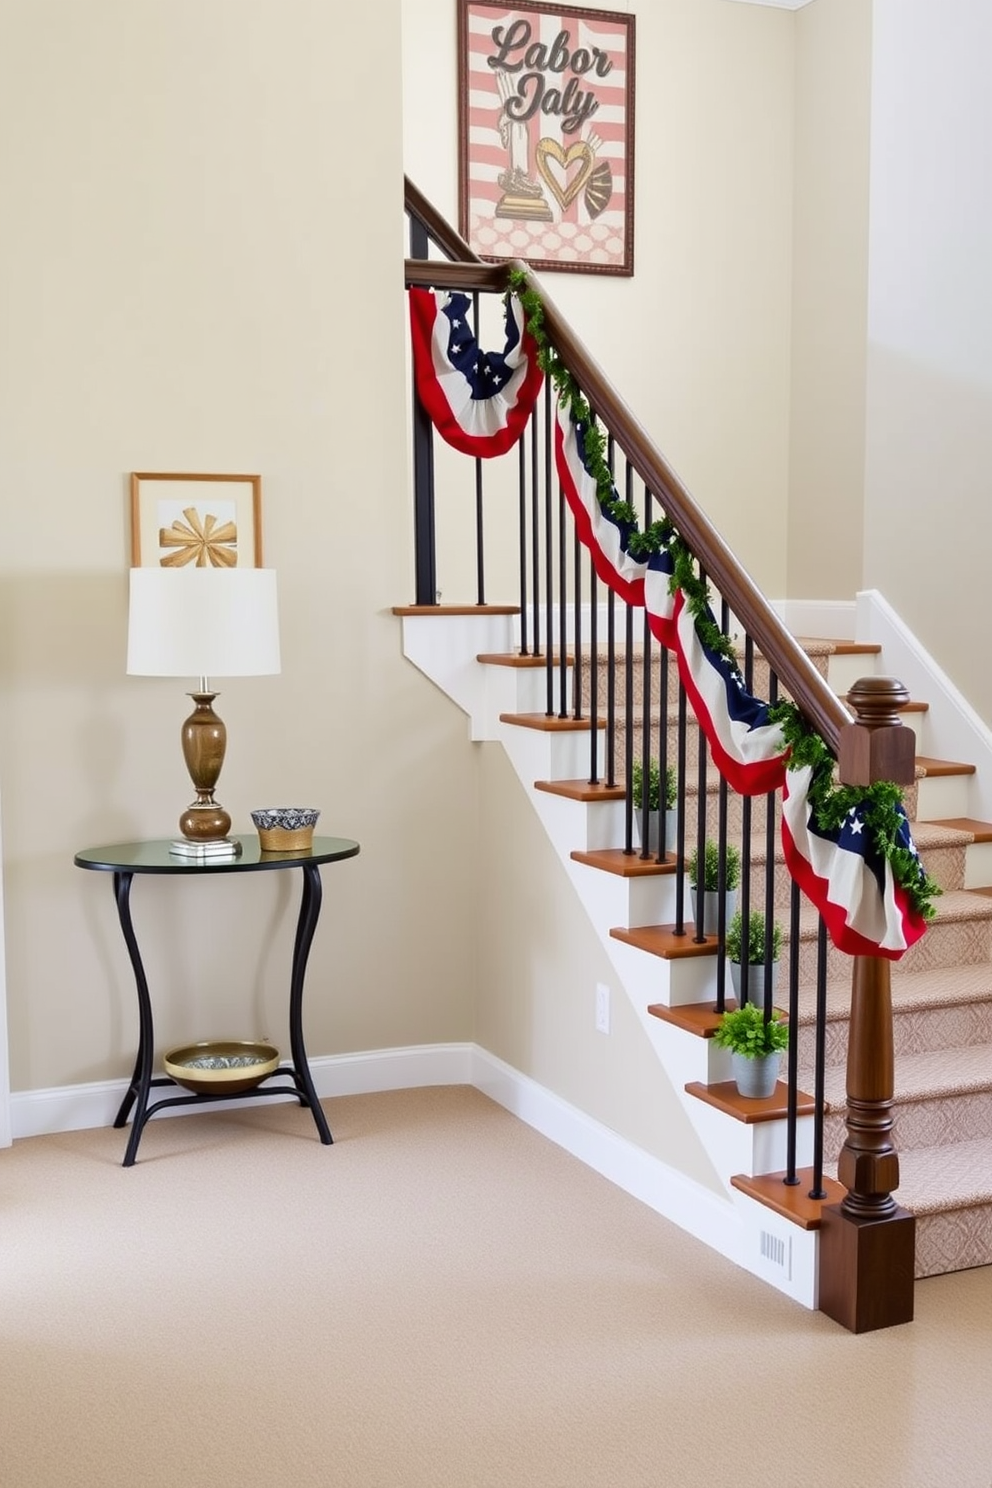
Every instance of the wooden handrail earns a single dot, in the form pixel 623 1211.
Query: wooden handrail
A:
pixel 444 235
pixel 821 707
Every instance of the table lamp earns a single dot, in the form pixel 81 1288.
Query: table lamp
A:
pixel 203 622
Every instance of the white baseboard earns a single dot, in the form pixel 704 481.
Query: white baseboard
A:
pixel 707 1215
pixel 38 1113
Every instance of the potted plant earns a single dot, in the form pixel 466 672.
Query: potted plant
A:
pixel 654 803
pixel 752 951
pixel 755 1043
pixel 711 882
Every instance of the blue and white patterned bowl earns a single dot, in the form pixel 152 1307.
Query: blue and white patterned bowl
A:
pixel 285 818
pixel 285 828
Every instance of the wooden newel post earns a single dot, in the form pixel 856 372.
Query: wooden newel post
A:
pixel 867 1242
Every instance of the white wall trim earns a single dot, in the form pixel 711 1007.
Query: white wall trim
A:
pixel 38 1113
pixel 954 730
pixel 707 1215
pixel 827 619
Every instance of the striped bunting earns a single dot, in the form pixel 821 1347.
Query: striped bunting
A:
pixel 841 872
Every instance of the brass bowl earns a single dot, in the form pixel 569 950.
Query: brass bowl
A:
pixel 221 1066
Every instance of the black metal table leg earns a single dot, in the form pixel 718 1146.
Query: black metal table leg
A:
pixel 305 927
pixel 137 1092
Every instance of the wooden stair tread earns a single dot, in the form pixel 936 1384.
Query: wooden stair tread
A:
pixel 549 723
pixel 581 790
pixel 445 610
pixel 749 1109
pixel 626 865
pixel 514 659
pixel 700 1018
pixel 937 767
pixel 792 1202
pixel 661 940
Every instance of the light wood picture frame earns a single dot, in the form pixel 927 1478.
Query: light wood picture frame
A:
pixel 207 521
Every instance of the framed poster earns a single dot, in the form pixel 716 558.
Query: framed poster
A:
pixel 546 135
pixel 207 521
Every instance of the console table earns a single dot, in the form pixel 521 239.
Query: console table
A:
pixel 124 860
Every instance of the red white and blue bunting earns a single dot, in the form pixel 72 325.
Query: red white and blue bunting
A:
pixel 479 401
pixel 842 872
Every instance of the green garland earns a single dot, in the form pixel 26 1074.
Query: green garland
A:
pixel 881 804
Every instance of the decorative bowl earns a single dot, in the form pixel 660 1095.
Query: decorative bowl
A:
pixel 285 828
pixel 221 1066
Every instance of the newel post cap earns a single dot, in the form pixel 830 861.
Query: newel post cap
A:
pixel 878 745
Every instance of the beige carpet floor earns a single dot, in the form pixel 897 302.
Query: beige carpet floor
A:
pixel 441 1298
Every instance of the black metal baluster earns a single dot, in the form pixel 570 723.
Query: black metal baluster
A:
pixel 535 533
pixel 522 477
pixel 681 754
pixel 628 733
pixel 611 683
pixel 663 764
pixel 549 550
pixel 578 661
pixel 425 563
pixel 480 556
pixel 748 993
pixel 770 873
pixel 792 1057
pixel 819 1083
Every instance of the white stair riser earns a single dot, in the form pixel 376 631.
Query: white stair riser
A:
pixel 939 797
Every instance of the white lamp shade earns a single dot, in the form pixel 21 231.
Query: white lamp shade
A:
pixel 203 622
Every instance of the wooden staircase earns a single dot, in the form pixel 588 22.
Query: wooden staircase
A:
pixel 941 989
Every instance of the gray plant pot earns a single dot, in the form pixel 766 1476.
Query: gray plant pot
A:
pixel 755 981
pixel 756 1078
pixel 654 819
pixel 711 909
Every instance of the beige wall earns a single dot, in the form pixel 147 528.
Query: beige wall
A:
pixel 929 421
pixel 539 963
pixel 830 300
pixel 187 188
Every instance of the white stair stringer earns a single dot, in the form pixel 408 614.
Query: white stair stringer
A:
pixel 445 649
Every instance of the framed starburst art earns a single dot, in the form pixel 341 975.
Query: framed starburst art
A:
pixel 198 521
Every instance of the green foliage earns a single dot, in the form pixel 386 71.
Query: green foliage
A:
pixel 880 805
pixel 654 785
pixel 746 1031
pixel 755 939
pixel 711 867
